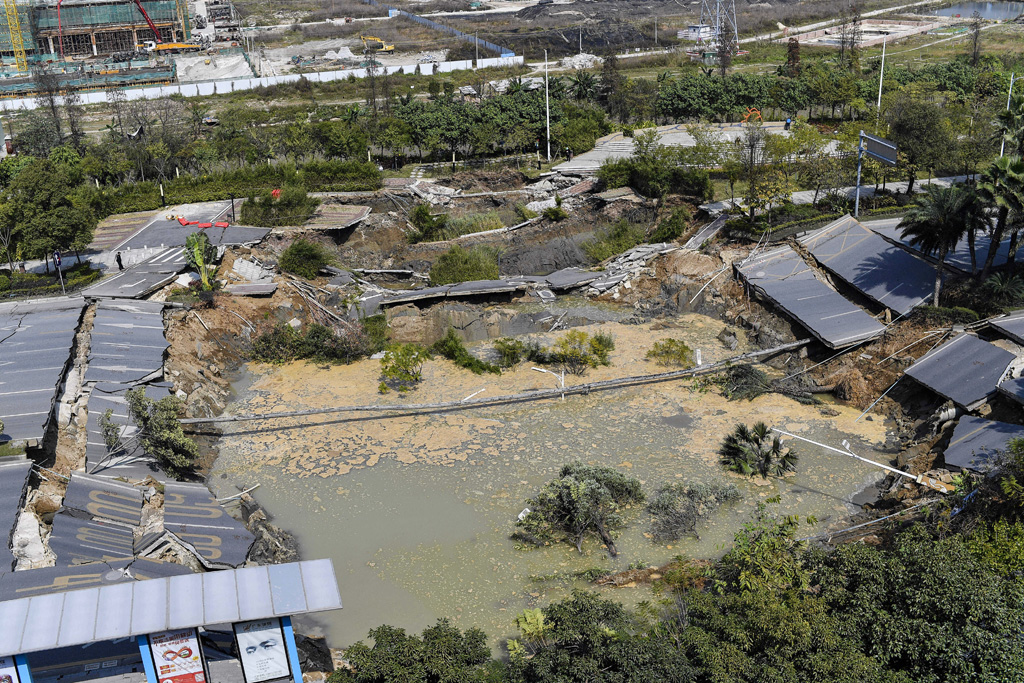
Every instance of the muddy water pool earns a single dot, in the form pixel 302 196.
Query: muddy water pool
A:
pixel 416 511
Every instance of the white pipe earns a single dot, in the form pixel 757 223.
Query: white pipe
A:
pixel 852 455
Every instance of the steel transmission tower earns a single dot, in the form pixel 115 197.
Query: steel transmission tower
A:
pixel 719 16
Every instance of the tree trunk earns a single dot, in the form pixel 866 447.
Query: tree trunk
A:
pixel 997 237
pixel 910 183
pixel 938 277
pixel 606 537
pixel 974 255
pixel 1011 258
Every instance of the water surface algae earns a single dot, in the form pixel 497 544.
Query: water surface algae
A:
pixel 416 510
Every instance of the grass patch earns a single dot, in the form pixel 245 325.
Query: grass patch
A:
pixel 614 240
pixel 464 265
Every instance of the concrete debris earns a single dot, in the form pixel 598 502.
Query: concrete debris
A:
pixel 27 544
pixel 252 271
pixel 581 61
pixel 539 206
pixel 621 270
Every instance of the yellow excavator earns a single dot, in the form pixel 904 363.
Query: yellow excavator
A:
pixel 376 44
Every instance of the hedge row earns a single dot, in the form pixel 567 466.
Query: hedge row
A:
pixel 314 176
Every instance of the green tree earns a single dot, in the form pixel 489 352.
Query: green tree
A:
pixel 937 221
pixel 1002 186
pixel 919 128
pixel 443 654
pixel 200 255
pixel 582 500
pixel 49 207
pixel 159 432
pixel 755 451
pixel 896 606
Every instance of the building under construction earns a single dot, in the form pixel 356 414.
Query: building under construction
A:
pixel 61 35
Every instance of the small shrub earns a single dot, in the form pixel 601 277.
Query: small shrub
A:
pixel 613 241
pixel 576 351
pixel 464 265
pixel 678 507
pixel 555 214
pixel 402 366
pixel 513 352
pixel 317 343
pixel 524 213
pixel 673 227
pixel 938 315
pixel 672 352
pixel 451 347
pixel 5 282
pixel 428 226
pixel 304 258
pixel 376 329
pixel 1004 288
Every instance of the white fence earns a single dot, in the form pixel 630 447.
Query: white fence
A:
pixel 233 85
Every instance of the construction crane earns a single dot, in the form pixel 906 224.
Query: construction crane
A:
pixel 17 40
pixel 384 47
pixel 60 30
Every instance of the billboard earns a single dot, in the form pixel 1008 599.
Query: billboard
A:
pixel 8 670
pixel 880 148
pixel 261 650
pixel 177 657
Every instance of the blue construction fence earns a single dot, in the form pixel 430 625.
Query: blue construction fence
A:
pixel 393 11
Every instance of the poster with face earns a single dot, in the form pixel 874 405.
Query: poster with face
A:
pixel 177 656
pixel 8 670
pixel 261 650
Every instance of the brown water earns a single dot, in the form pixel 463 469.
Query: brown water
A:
pixel 416 511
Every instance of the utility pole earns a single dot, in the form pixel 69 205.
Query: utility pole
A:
pixel 1002 147
pixel 547 103
pixel 881 75
pixel 655 32
pixel 581 38
pixel 476 40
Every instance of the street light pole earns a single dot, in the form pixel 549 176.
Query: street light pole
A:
pixel 547 103
pixel 1009 97
pixel 881 76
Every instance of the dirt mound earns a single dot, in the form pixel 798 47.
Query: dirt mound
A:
pixel 485 180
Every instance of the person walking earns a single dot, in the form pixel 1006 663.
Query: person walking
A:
pixel 117 257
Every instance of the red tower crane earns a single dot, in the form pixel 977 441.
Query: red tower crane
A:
pixel 138 3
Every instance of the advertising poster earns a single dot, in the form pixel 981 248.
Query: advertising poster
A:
pixel 177 657
pixel 261 650
pixel 8 670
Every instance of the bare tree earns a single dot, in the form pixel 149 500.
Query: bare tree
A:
pixel 726 51
pixel 74 112
pixel 47 87
pixel 849 34
pixel 974 44
pixel 7 243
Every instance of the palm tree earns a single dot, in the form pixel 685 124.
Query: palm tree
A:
pixel 1002 186
pixel 936 222
pixel 1010 127
pixel 582 85
pixel 753 451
